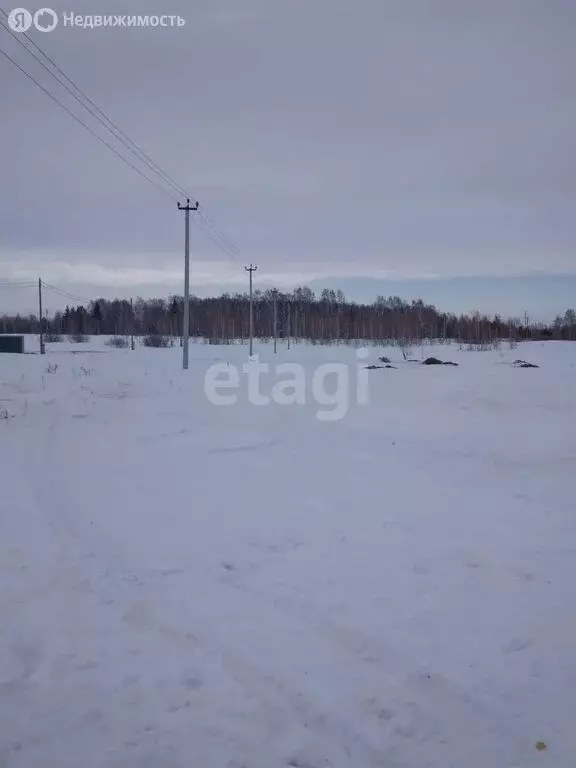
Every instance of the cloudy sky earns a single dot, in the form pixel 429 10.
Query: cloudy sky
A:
pixel 419 147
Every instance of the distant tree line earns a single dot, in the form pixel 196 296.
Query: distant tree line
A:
pixel 323 318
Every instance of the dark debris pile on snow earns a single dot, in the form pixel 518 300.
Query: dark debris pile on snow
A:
pixel 435 361
pixel 524 364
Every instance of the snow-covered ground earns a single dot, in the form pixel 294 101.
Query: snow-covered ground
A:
pixel 184 585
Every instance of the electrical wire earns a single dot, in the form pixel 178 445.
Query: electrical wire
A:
pixel 209 234
pixel 217 237
pixel 17 284
pixel 87 127
pixel 67 294
pixel 217 231
pixel 94 110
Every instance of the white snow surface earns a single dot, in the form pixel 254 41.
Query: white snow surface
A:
pixel 187 585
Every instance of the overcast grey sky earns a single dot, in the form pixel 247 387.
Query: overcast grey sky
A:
pixel 330 140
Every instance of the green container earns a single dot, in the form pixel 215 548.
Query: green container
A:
pixel 12 344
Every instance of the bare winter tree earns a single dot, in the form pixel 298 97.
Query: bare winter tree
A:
pixel 323 319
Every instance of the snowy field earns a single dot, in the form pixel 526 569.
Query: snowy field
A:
pixel 184 585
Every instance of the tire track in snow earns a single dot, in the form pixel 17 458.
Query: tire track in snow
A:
pixel 427 709
pixel 415 724
pixel 329 733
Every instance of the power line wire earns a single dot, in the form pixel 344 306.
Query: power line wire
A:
pixel 87 127
pixel 94 110
pixel 209 234
pixel 67 294
pixel 219 238
pixel 14 284
pixel 217 231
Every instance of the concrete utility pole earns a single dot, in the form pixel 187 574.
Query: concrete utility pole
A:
pixel 40 318
pixel 251 269
pixel 275 295
pixel 186 323
pixel 132 347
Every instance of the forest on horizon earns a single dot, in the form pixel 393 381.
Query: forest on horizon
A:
pixel 300 314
